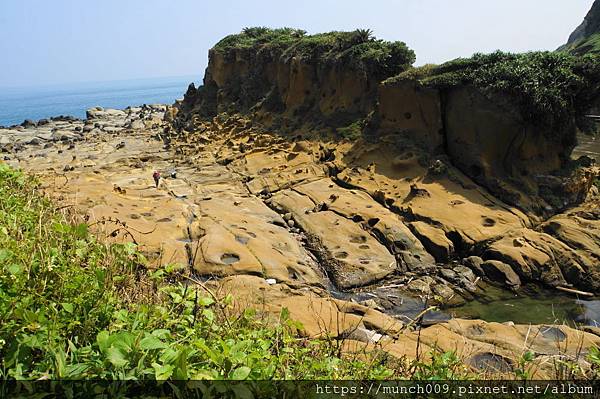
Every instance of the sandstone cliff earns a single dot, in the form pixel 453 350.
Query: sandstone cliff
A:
pixel 507 121
pixel 502 120
pixel 289 78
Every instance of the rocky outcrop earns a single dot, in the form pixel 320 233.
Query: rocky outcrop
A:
pixel 321 80
pixel 309 83
pixel 489 140
pixel 283 223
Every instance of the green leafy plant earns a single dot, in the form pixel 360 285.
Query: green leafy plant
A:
pixel 352 131
pixel 523 370
pixel 440 366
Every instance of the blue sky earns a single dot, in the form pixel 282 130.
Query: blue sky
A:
pixel 62 41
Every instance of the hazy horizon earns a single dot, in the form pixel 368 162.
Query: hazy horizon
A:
pixel 71 42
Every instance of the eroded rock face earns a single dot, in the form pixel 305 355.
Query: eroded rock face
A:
pixel 242 79
pixel 353 257
pixel 499 271
pixel 489 141
pixel 241 235
pixel 405 108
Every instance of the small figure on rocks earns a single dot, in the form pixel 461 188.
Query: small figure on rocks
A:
pixel 156 177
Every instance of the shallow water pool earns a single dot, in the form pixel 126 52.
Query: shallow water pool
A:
pixel 531 305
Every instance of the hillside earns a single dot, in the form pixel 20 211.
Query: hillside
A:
pixel 586 38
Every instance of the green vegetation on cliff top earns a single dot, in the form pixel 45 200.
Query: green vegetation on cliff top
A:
pixel 357 48
pixel 550 88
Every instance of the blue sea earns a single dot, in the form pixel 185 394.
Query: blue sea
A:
pixel 20 103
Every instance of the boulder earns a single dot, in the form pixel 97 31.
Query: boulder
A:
pixel 137 124
pixel 501 272
pixel 27 123
pixel 474 263
pixel 465 272
pixel 64 135
pixel 541 257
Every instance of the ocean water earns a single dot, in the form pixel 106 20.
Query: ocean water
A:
pixel 20 103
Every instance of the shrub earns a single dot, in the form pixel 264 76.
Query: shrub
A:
pixel 352 131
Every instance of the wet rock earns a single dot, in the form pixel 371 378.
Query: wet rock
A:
pixel 491 362
pixel 446 294
pixel 420 286
pixel 449 274
pixel 553 333
pixel 501 272
pixel 370 303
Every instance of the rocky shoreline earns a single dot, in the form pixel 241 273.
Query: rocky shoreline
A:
pixel 309 225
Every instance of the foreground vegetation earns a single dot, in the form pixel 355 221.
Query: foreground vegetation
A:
pixel 550 88
pixel 75 308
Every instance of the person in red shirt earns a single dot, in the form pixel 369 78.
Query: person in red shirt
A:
pixel 156 177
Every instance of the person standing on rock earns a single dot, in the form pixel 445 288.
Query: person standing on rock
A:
pixel 156 177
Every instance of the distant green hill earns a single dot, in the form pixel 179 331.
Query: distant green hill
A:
pixel 586 38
